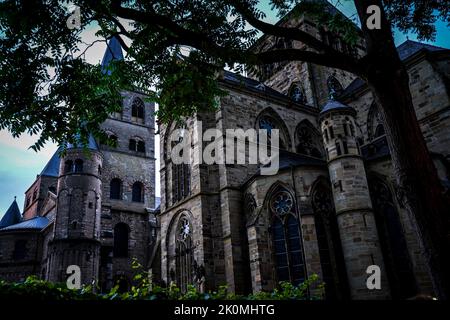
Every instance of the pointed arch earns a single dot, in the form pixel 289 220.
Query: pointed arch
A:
pixel 286 237
pixel 178 176
pixel 297 93
pixel 269 119
pixel 180 248
pixel 335 88
pixel 184 258
pixel 375 124
pixel 308 140
pixel 392 239
pixel 328 240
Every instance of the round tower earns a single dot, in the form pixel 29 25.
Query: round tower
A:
pixel 76 239
pixel 354 213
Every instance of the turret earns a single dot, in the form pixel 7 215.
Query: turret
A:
pixel 76 239
pixel 354 212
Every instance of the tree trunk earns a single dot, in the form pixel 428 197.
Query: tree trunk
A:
pixel 419 188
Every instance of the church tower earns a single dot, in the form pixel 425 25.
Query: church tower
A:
pixel 354 212
pixel 76 239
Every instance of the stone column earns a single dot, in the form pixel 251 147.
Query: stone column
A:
pixel 355 217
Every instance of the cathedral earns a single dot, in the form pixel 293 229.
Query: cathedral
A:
pixel 332 209
pixel 92 209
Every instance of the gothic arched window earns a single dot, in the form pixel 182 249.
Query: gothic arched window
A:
pixel 296 93
pixel 328 240
pixel 137 110
pixel 121 235
pixel 137 192
pixel 287 242
pixel 392 241
pixel 184 256
pixel 334 87
pixel 375 127
pixel 270 122
pixel 181 180
pixel 308 140
pixel 181 175
pixel 115 189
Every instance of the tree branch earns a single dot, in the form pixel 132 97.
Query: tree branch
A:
pixel 329 56
pixel 323 59
pixel 285 32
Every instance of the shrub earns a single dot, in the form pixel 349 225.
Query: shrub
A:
pixel 145 289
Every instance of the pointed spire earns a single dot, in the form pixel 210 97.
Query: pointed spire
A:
pixel 52 167
pixel 113 52
pixel 12 215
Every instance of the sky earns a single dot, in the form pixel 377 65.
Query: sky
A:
pixel 19 165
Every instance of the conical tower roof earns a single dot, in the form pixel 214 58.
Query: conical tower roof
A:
pixel 113 52
pixel 12 215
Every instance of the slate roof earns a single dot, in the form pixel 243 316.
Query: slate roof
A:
pixel 92 144
pixel 36 223
pixel 335 105
pixel 290 159
pixel 113 52
pixel 409 48
pixel 251 84
pixel 51 169
pixel 406 50
pixel 12 215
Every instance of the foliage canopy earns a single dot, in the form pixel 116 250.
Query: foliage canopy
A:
pixel 178 48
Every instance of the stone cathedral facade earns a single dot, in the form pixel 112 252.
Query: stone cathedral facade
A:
pixel 95 210
pixel 332 209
